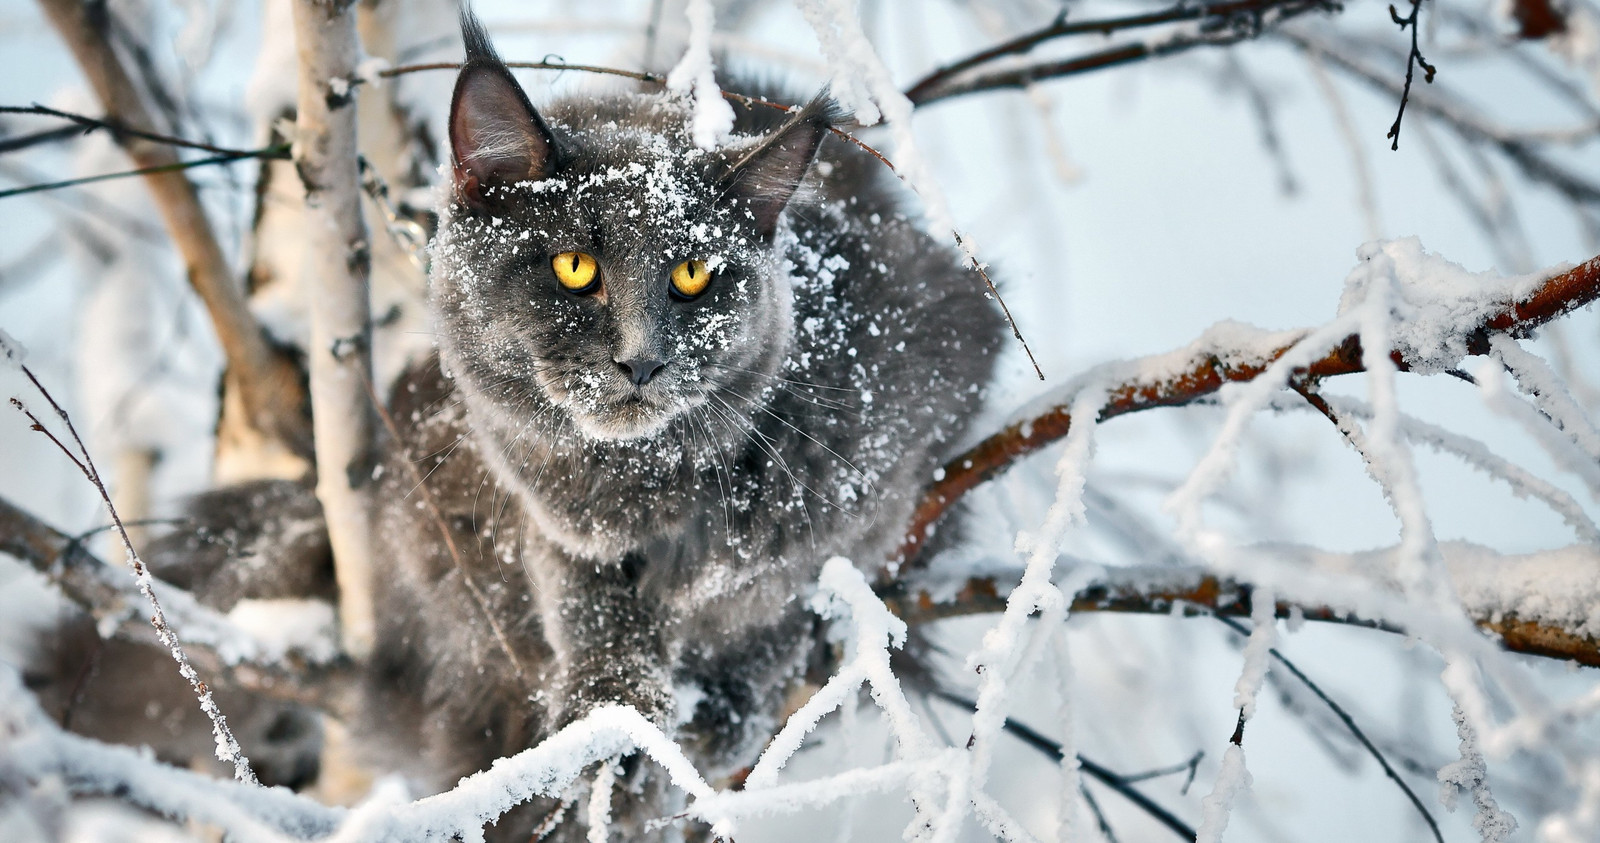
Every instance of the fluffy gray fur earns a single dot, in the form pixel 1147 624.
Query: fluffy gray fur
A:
pixel 650 544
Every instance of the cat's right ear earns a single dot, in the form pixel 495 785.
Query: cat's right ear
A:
pixel 496 137
pixel 765 177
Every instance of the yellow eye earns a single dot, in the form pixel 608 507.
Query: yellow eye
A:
pixel 576 271
pixel 690 278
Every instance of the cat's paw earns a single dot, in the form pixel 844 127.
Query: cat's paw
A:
pixel 584 691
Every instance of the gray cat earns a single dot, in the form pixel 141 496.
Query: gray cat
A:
pixel 670 384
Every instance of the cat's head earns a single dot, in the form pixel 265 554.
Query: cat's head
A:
pixel 593 261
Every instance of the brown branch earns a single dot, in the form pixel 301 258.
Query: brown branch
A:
pixel 1204 595
pixel 1238 22
pixel 270 382
pixel 1559 295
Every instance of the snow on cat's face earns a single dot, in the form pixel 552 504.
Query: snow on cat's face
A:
pixel 563 288
pixel 571 269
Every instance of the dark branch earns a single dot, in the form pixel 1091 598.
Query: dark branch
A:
pixel 1105 776
pixel 1350 724
pixel 281 152
pixel 1215 29
pixel 1060 28
pixel 1521 151
pixel 118 131
pixel 1413 60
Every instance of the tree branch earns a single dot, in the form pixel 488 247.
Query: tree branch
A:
pixel 1219 13
pixel 1237 22
pixel 1413 59
pixel 268 379
pixel 1205 374
pixel 267 152
pixel 1165 590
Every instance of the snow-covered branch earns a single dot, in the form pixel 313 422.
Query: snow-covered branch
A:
pixel 1533 602
pixel 1228 353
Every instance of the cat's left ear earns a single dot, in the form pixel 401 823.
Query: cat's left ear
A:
pixel 764 179
pixel 496 137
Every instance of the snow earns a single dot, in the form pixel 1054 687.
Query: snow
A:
pixel 1257 651
pixel 695 75
pixel 605 780
pixel 1436 304
pixel 1469 774
pixel 1549 394
pixel 281 627
pixel 1217 806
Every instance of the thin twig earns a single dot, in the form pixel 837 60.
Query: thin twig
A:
pixel 1190 766
pixel 1110 779
pixel 267 152
pixel 1061 28
pixel 16 143
pixel 227 746
pixel 121 132
pixel 1522 150
pixel 1349 723
pixel 1099 815
pixel 1412 61
pixel 1214 31
pixel 642 76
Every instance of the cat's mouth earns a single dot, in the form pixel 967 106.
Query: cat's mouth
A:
pixel 629 412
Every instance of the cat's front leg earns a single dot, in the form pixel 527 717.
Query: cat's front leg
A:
pixel 611 644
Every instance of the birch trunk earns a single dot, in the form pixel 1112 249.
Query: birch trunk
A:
pixel 336 279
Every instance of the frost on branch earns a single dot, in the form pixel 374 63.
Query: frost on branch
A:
pixel 694 76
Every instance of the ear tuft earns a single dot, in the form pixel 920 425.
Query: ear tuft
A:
pixel 496 136
pixel 765 177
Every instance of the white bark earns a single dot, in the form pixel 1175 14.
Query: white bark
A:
pixel 336 269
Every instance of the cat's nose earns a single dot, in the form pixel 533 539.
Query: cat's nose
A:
pixel 640 370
